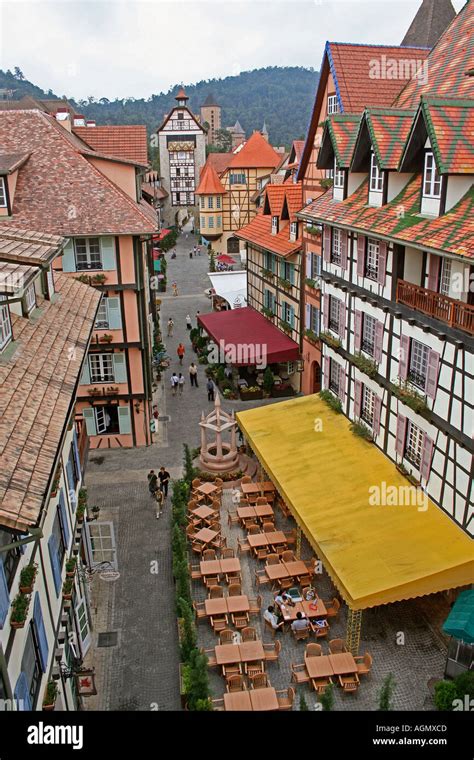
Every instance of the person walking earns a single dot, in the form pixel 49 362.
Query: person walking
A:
pixel 180 351
pixel 188 322
pixel 159 498
pixel 174 383
pixel 164 478
pixel 190 254
pixel 180 384
pixel 152 482
pixel 170 327
pixel 210 389
pixel 193 375
pixel 175 288
pixel 199 250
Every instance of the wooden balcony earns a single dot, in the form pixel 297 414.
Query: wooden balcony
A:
pixel 456 314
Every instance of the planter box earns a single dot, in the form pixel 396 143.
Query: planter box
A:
pixel 248 395
pixel 282 392
pixel 49 708
pixel 17 625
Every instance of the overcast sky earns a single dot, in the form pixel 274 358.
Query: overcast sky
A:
pixel 133 48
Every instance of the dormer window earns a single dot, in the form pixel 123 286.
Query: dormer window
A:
pixel 3 193
pixel 431 178
pixel 376 179
pixel 274 225
pixel 5 324
pixel 338 177
pixel 333 105
pixel 293 231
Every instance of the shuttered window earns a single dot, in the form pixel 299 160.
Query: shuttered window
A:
pixel 101 368
pixel 4 595
pixel 56 552
pixel 31 667
pixel 40 633
pixel 419 354
pixel 414 443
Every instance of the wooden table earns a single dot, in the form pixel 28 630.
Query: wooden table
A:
pixel 257 539
pixel 207 489
pixel 227 654
pixel 227 604
pixel 318 667
pixel 231 654
pixel 205 536
pixel 343 664
pixel 276 537
pixel 264 699
pixel 238 603
pixel 203 512
pixel 251 651
pixel 276 572
pixel 260 488
pixel 289 611
pixel 237 700
pixel 297 567
pixel 216 606
pixel 220 566
pixel 263 510
pixel 230 565
pixel 245 513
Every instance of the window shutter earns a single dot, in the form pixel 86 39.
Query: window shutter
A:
pixel 292 274
pixel 433 272
pixel 325 311
pixel 4 595
pixel 382 271
pixel 426 456
pixel 107 249
pixel 124 419
pixel 308 272
pixel 432 374
pixel 40 633
pixel 120 370
pixel 89 417
pixel 342 384
pixel 403 359
pixel 22 693
pixel 342 321
pixel 53 556
pixel 327 244
pixel 377 415
pixel 357 398
pixel 70 482
pixel 344 246
pixel 76 453
pixel 115 317
pixel 282 269
pixel 357 330
pixel 292 315
pixel 308 316
pixel 85 374
pixel 69 258
pixel 361 255
pixel 401 434
pixel 378 341
pixel 64 519
pixel 327 370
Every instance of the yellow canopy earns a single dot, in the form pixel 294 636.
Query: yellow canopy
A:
pixel 328 477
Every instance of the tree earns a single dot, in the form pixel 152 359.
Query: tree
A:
pixel 268 380
pixel 327 699
pixel 303 704
pixel 18 74
pixel 223 140
pixel 212 261
pixel 386 692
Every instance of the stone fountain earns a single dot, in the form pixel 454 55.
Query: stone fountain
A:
pixel 218 455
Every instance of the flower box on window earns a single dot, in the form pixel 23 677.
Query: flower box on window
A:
pixel 94 392
pixel 267 274
pixel 368 366
pixel 314 231
pixel 56 481
pixel 27 578
pixel 98 279
pixel 68 589
pixel 332 401
pixel 112 391
pixel 362 431
pixel 286 284
pixel 326 337
pixel 50 694
pixel 106 338
pixel 311 336
pixel 403 471
pixel 19 611
pixel 411 398
pixel 285 326
pixel 267 312
pixel 311 283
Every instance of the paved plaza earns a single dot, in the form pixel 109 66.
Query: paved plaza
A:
pixel 140 672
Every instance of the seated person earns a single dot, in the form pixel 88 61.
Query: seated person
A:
pixel 282 598
pixel 275 621
pixel 300 624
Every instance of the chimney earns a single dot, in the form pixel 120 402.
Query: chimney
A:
pixel 79 120
pixel 90 123
pixel 64 118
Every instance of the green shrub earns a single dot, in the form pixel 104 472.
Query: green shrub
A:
pixel 444 695
pixel 366 365
pixel 361 431
pixel 465 685
pixel 303 704
pixel 386 693
pixel 189 639
pixel 198 682
pixel 332 401
pixel 327 699
pixel 27 575
pixel 268 380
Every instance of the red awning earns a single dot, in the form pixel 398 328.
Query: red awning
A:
pixel 223 258
pixel 248 337
pixel 162 234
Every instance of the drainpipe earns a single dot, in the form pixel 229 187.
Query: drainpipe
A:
pixel 142 314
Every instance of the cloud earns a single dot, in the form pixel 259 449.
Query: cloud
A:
pixel 133 48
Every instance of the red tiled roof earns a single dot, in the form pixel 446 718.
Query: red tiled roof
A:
pixel 58 189
pixel 450 125
pixel 38 386
pixel 259 230
pixel 298 145
pixel 11 162
pixel 388 129
pixel 129 141
pixel 343 129
pixel 256 153
pixel 447 64
pixel 209 183
pixel 219 161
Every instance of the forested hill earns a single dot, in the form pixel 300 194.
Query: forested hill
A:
pixel 282 97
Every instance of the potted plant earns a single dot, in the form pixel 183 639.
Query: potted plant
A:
pixel 50 694
pixel 286 284
pixel 249 393
pixel 27 578
pixel 285 326
pixel 311 336
pixel 313 230
pixel 68 587
pixel 94 392
pixel 267 312
pixel 112 391
pixel 267 274
pixel 98 279
pixel 95 514
pixel 19 612
pixel 310 283
pixel 106 338
pixel 330 340
pixel 56 480
pixel 71 567
pixel 80 512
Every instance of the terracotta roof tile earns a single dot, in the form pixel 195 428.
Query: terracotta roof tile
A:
pixel 9 162
pixel 38 384
pixel 388 129
pixel 219 161
pixel 209 182
pixel 343 129
pixel 259 230
pixel 450 125
pixel 257 152
pixel 129 141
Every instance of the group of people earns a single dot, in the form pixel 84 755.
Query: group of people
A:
pixel 196 251
pixel 158 487
pixel 274 615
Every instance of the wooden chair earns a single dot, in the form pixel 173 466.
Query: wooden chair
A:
pixel 215 592
pixel 228 671
pixel 268 527
pixel 211 657
pixel 219 623
pixel 285 583
pixel 227 553
pixel 240 619
pixel 332 607
pixel 253 529
pixel 336 646
pixel 232 518
pixel 303 580
pixel 235 589
pixel 199 610
pixel 243 547
pixel 191 531
pixel 286 698
pixel 260 552
pixel 197 547
pixel 272 651
pixel 255 605
pixel 320 684
pixel 273 559
pixel 299 674
pixel 288 556
pixel 319 631
pixel 259 681
pixel 215 525
pixel 211 580
pixel 246 479
pixel 270 627
pixel 261 578
pixel 364 664
pixel 196 483
pixel 226 636
pixel 219 543
pixel 284 509
pixel 249 634
pixel 290 537
pixel 261 500
pixel 349 684
pixel 313 650
pixel 254 669
pixel 208 555
pixel 301 635
pixel 236 683
pixel 233 578
pixel 195 572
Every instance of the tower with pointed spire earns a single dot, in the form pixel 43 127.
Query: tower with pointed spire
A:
pixel 238 134
pixel 432 19
pixel 264 131
pixel 211 117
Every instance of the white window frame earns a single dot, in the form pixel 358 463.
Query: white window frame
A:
pixel 203 221
pixel 210 222
pixel 334 308
pixel 6 333
pixel 30 298
pixel 376 177
pixel 418 366
pixel 210 202
pixel 218 201
pixel 101 368
pixel 274 225
pixel 335 377
pixel 372 259
pixel 202 201
pixel 338 177
pixel 445 277
pixel 103 310
pixel 368 334
pixel 93 259
pixel 431 178
pixel 3 193
pixel 367 405
pixel 293 231
pixel 336 247
pixel 333 104
pixel 413 444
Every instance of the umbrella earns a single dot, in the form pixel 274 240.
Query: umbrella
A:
pixel 460 621
pixel 223 258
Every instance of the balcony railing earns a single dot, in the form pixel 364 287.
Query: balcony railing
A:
pixel 457 314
